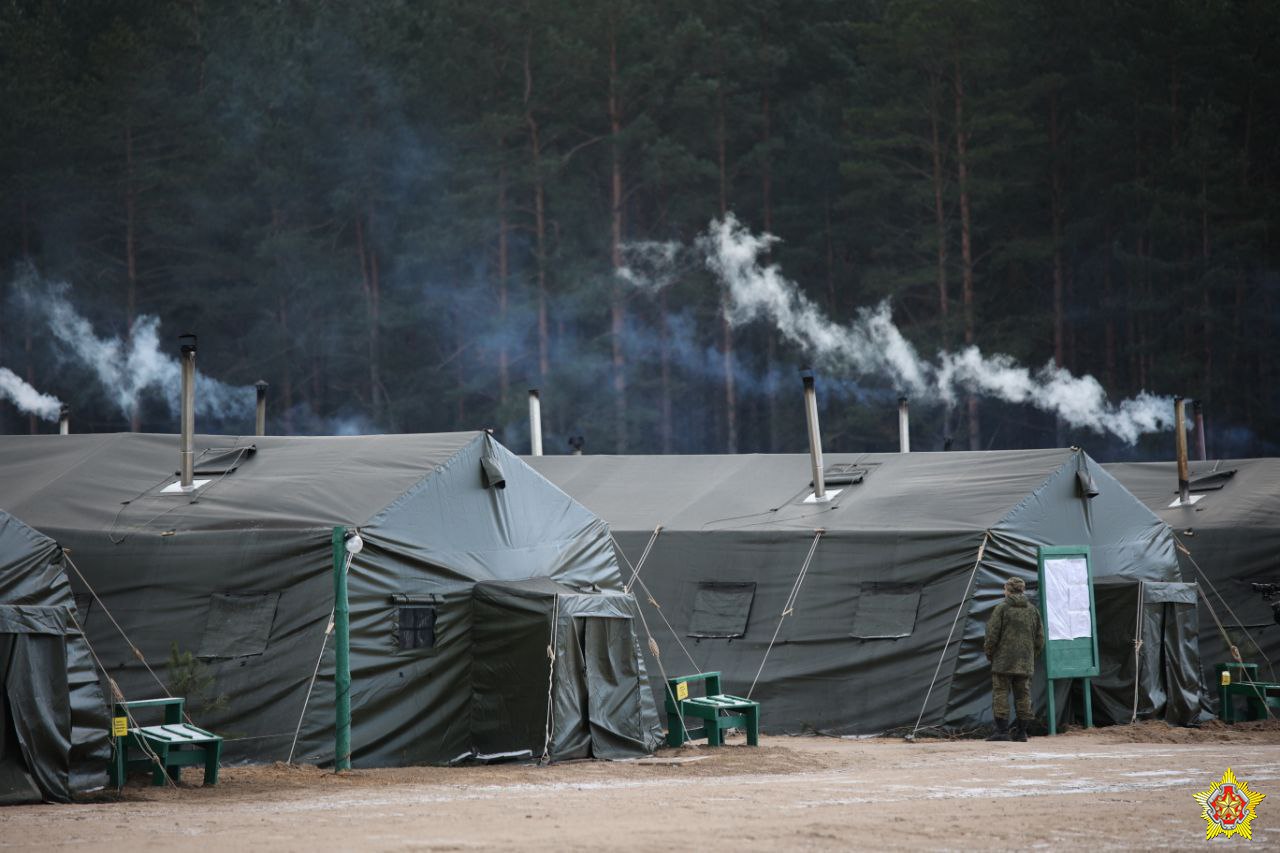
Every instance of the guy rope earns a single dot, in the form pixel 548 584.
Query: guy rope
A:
pixel 982 550
pixel 788 605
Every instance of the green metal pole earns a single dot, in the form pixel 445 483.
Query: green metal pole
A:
pixel 1053 711
pixel 342 653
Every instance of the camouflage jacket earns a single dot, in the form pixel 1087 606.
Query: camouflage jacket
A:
pixel 1014 637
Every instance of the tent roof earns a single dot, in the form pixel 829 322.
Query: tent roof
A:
pixel 20 544
pixel 110 481
pixel 915 491
pixel 1248 498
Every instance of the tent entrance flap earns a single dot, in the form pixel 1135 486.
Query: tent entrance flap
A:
pixel 510 671
pixel 1149 652
pixel 16 784
pixel 585 699
pixel 37 713
pixel 613 688
pixel 598 706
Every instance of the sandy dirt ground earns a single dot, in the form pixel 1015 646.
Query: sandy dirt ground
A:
pixel 1118 788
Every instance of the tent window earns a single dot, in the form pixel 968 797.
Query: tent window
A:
pixel 844 474
pixel 721 610
pixel 238 625
pixel 885 613
pixel 416 627
pixel 222 460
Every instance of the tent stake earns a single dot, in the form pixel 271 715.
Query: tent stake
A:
pixel 342 653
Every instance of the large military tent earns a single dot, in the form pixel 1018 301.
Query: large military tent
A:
pixel 53 718
pixel 913 546
pixel 227 592
pixel 1231 533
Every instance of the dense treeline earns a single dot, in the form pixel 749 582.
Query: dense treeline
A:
pixel 402 215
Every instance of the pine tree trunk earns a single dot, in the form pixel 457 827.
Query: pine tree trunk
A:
pixel 198 33
pixel 832 301
pixel 130 255
pixel 1055 205
pixel 33 426
pixel 664 367
pixel 1144 316
pixel 504 268
pixel 286 365
pixel 766 204
pixel 1055 202
pixel 539 218
pixel 726 330
pixel 1109 310
pixel 939 208
pixel 966 248
pixel 368 258
pixel 1206 312
pixel 617 312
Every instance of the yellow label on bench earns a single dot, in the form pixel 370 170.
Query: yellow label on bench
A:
pixel 682 690
pixel 119 726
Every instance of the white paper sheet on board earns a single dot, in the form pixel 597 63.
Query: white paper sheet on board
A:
pixel 1066 581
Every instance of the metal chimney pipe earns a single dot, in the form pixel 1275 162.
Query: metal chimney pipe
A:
pixel 535 423
pixel 1197 411
pixel 64 421
pixel 260 419
pixel 1180 427
pixel 904 426
pixel 187 349
pixel 815 436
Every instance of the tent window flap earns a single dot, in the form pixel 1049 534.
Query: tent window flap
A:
pixel 238 625
pixel 882 613
pixel 416 627
pixel 721 610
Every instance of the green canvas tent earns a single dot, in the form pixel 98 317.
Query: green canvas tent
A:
pixel 238 576
pixel 53 718
pixel 913 547
pixel 1231 532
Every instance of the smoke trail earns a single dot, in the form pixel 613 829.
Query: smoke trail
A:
pixel 128 369
pixel 27 398
pixel 873 346
pixel 649 264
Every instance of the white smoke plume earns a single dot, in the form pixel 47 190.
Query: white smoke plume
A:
pixel 27 398
pixel 132 367
pixel 872 346
pixel 649 264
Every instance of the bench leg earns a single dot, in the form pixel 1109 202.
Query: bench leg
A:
pixel 675 731
pixel 212 754
pixel 158 770
pixel 753 726
pixel 714 735
pixel 119 763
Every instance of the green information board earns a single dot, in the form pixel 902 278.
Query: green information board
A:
pixel 1069 620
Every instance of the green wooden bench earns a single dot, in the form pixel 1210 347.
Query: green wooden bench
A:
pixel 1244 684
pixel 175 743
pixel 717 711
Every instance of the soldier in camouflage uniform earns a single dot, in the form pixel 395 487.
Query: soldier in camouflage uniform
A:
pixel 1014 638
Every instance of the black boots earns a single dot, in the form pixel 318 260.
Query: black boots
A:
pixel 1002 730
pixel 1018 731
